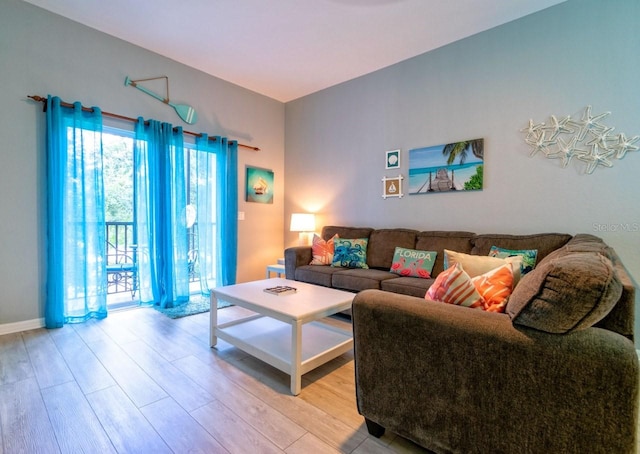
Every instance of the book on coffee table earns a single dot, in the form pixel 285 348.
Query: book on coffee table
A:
pixel 281 290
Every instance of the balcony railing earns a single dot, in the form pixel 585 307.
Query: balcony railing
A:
pixel 122 257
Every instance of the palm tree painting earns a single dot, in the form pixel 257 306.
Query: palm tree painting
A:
pixel 453 150
pixel 457 166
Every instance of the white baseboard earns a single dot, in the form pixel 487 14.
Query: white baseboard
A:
pixel 8 328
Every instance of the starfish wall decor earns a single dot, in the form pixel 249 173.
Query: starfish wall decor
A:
pixel 586 139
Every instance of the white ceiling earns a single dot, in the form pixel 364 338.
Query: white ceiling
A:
pixel 286 49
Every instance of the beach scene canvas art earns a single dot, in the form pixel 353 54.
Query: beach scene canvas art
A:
pixel 454 166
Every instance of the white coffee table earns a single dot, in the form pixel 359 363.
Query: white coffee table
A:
pixel 285 330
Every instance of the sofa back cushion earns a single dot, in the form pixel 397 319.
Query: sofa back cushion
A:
pixel 438 241
pixel 584 242
pixel 383 243
pixel 345 232
pixel 569 290
pixel 621 319
pixel 544 243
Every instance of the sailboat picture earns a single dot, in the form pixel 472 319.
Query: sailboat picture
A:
pixel 259 185
pixel 450 167
pixel 392 187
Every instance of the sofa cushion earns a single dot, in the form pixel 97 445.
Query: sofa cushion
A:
pixel 543 242
pixel 584 242
pixel 313 274
pixel 350 253
pixel 413 263
pixel 407 286
pixel 383 243
pixel 581 243
pixel 567 291
pixel 322 250
pixel 345 232
pixel 620 319
pixel 438 241
pixel 358 279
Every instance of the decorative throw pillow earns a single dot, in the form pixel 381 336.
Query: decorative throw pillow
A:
pixel 475 265
pixel 489 291
pixel 495 288
pixel 350 253
pixel 413 263
pixel 322 250
pixel 454 286
pixel 529 257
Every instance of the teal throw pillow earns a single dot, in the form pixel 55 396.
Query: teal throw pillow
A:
pixel 413 263
pixel 529 257
pixel 350 253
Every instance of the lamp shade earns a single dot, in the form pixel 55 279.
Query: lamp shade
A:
pixel 303 222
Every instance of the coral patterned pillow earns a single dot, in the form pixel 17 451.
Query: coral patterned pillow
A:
pixel 489 291
pixel 495 288
pixel 322 250
pixel 454 286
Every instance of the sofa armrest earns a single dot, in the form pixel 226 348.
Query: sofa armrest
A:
pixel 454 379
pixel 295 257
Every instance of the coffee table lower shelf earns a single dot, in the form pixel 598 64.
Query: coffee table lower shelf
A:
pixel 293 349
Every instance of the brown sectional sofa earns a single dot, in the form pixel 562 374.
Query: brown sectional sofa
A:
pixel 558 372
pixel 380 249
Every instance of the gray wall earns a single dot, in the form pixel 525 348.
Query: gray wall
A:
pixel 557 61
pixel 41 53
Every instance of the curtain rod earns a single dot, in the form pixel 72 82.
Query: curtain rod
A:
pixel 122 117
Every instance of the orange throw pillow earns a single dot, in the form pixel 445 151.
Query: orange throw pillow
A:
pixel 489 291
pixel 454 286
pixel 322 250
pixel 495 288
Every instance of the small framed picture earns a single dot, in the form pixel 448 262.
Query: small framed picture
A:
pixel 392 160
pixel 259 185
pixel 392 187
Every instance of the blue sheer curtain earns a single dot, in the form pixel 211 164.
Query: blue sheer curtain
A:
pixel 160 214
pixel 217 208
pixel 227 198
pixel 76 267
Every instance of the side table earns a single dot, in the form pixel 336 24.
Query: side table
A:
pixel 275 268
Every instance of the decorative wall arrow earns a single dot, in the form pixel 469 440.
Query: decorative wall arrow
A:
pixel 184 111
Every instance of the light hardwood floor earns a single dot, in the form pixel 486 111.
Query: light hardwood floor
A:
pixel 138 381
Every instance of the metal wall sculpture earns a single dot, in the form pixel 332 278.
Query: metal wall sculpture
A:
pixel 587 140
